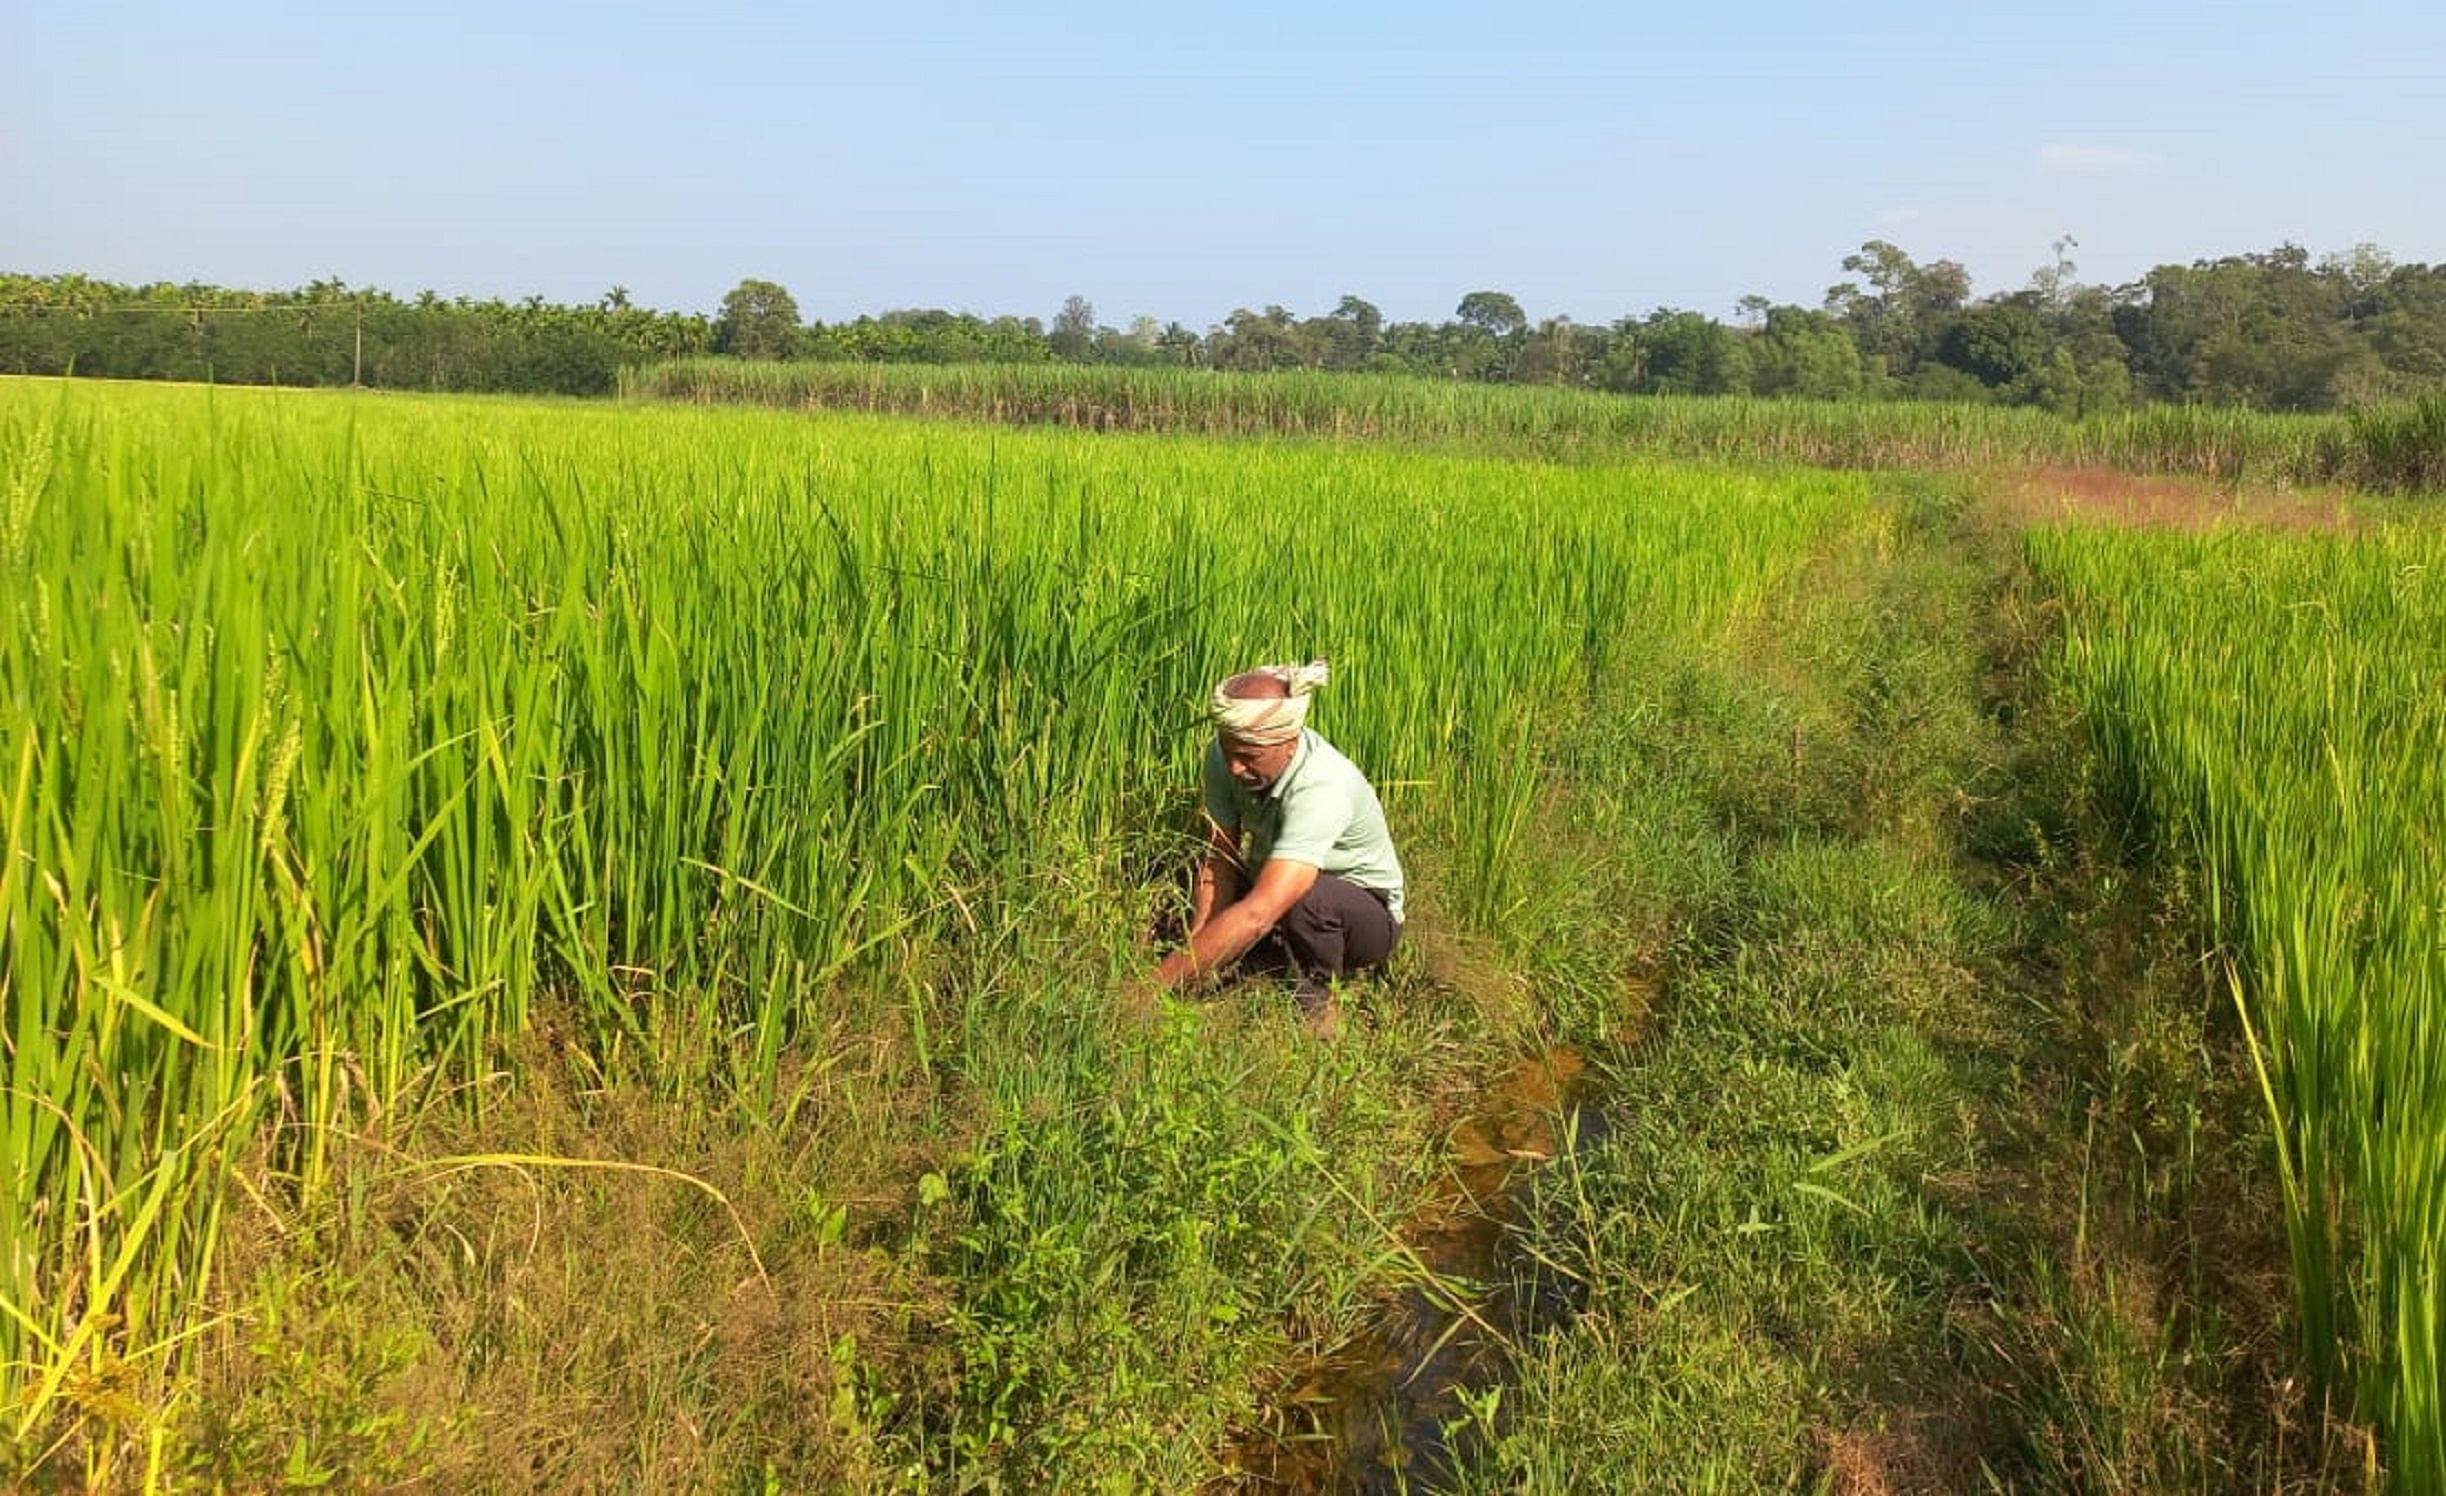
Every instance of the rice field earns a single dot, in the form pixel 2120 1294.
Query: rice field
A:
pixel 346 737
pixel 377 770
pixel 2274 703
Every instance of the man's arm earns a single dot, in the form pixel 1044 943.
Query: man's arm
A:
pixel 1217 881
pixel 1235 928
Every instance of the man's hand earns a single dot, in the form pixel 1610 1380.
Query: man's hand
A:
pixel 1174 969
pixel 1220 939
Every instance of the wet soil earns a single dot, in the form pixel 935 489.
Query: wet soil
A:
pixel 1385 1411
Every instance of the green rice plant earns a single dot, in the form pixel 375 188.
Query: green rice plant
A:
pixel 345 734
pixel 2273 704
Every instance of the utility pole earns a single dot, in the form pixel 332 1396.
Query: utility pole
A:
pixel 356 375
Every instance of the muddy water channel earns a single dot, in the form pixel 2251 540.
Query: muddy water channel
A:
pixel 1383 1411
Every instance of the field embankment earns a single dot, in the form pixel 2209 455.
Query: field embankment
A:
pixel 1937 1167
pixel 2397 448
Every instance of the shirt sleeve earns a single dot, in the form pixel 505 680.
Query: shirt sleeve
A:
pixel 1315 813
pixel 1222 805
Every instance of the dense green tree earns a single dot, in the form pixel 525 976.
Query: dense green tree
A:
pixel 1806 354
pixel 1181 345
pixel 1895 316
pixel 1350 334
pixel 758 319
pixel 1138 347
pixel 2272 330
pixel 2404 320
pixel 1685 353
pixel 2266 329
pixel 311 336
pixel 1943 382
pixel 928 335
pixel 2001 344
pixel 1471 352
pixel 1418 348
pixel 1073 334
pixel 1257 341
pixel 1494 313
pixel 2083 325
pixel 1555 353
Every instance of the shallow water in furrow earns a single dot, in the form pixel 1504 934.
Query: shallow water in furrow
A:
pixel 1383 1411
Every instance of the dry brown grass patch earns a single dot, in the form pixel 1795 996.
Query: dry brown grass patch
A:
pixel 502 1299
pixel 1900 1461
pixel 2102 496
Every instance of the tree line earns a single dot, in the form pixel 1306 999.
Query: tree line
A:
pixel 2274 331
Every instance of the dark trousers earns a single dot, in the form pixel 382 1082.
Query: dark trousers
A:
pixel 1336 928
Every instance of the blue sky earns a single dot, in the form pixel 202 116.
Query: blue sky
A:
pixel 1180 161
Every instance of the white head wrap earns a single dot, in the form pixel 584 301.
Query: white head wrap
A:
pixel 1267 720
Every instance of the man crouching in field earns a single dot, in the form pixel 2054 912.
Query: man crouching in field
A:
pixel 1326 899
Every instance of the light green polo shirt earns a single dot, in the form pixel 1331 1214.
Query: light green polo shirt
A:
pixel 1322 811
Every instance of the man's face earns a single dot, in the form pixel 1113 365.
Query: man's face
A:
pixel 1255 767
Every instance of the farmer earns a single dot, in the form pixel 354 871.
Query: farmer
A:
pixel 1325 900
